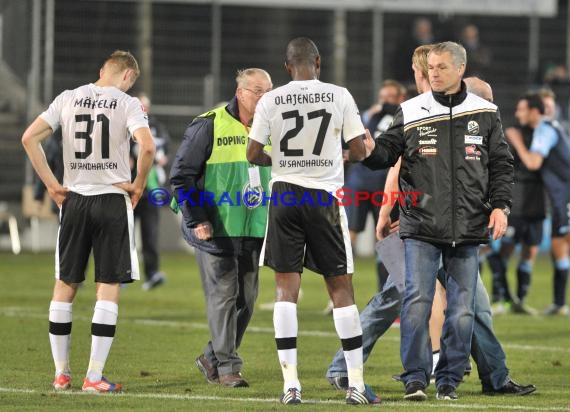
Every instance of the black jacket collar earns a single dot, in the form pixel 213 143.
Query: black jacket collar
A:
pixel 451 100
pixel 232 108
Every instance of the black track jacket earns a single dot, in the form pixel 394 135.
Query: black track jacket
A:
pixel 453 152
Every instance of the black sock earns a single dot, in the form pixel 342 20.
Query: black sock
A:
pixel 523 280
pixel 560 281
pixel 499 271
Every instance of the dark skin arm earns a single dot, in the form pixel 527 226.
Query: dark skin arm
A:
pixel 256 155
pixel 357 149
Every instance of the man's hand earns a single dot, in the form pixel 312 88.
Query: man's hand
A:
pixel 385 227
pixel 369 143
pixel 135 191
pixel 514 136
pixel 203 231
pixel 531 160
pixel 58 193
pixel 498 221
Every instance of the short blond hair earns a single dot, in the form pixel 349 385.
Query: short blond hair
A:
pixel 419 58
pixel 122 60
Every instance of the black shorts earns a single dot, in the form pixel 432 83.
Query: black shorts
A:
pixel 560 215
pixel 103 223
pixel 310 234
pixel 527 231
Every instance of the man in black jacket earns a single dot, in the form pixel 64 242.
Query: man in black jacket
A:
pixel 453 152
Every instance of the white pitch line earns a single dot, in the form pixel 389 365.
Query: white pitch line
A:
pixel 21 312
pixel 170 396
pixel 176 397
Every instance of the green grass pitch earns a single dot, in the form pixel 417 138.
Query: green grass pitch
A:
pixel 161 332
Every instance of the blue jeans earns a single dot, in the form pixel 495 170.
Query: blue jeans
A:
pixel 376 318
pixel 485 347
pixel 422 263
pixel 384 307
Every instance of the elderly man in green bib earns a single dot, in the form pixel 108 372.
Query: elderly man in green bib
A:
pixel 211 179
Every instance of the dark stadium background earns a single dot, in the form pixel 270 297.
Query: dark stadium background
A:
pixel 189 52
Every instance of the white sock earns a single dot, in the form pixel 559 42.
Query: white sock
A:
pixel 435 359
pixel 60 316
pixel 102 334
pixel 349 330
pixel 286 328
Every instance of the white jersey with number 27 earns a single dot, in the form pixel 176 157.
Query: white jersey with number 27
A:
pixel 96 124
pixel 306 122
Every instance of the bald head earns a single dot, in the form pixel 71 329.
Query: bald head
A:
pixel 301 52
pixel 479 87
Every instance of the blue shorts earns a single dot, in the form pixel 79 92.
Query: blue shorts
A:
pixel 560 207
pixel 527 231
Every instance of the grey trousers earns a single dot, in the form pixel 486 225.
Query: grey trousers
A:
pixel 230 285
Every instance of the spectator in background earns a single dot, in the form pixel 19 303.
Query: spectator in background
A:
pixel 479 59
pixel 550 153
pixel 227 236
pixel 422 33
pixel 551 109
pixel 390 91
pixel 557 79
pixel 556 74
pixel 378 118
pixel 147 213
pixel 549 100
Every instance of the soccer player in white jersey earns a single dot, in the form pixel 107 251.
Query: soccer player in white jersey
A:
pixel 306 120
pixel 96 213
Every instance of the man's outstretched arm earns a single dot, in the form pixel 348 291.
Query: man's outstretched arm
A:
pixel 256 154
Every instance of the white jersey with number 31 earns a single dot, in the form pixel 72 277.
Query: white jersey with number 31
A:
pixel 306 122
pixel 96 124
